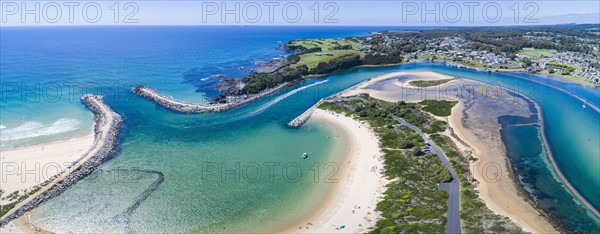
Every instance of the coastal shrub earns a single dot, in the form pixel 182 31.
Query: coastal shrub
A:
pixel 440 173
pixel 257 82
pixel 381 59
pixel 322 68
pixel 332 106
pixel 293 59
pixel 434 127
pixel 7 207
pixel 412 201
pixel 438 107
pixel 429 83
pixel 342 47
pixel 474 214
pixel 310 50
pixel 342 62
pixel 291 47
pixel 417 152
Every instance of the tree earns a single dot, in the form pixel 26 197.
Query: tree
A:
pixel 417 152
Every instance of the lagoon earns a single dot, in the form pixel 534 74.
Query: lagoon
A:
pixel 211 161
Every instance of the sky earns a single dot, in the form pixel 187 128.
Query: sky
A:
pixel 299 12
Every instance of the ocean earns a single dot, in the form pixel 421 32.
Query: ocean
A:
pixel 225 172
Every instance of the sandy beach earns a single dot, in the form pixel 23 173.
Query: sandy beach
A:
pixel 101 144
pixel 353 201
pixel 500 195
pixel 395 86
pixel 32 165
pixel 480 133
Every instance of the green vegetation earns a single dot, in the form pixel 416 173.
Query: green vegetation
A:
pixel 312 52
pixel 325 44
pixel 311 60
pixel 490 48
pixel 257 82
pixel 314 56
pixel 474 215
pixel 536 53
pixel 341 62
pixel 379 58
pixel 438 108
pixel 567 69
pixel 7 207
pixel 293 59
pixel 429 83
pixel 15 197
pixel 412 201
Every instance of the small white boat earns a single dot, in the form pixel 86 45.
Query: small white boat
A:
pixel 305 155
pixel 584 106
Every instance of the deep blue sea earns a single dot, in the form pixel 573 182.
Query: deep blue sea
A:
pixel 46 69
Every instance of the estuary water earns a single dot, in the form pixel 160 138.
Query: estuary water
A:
pixel 225 172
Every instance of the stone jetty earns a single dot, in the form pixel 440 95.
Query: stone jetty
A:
pixel 302 118
pixel 172 104
pixel 107 126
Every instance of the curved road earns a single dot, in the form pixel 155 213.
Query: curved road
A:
pixel 453 187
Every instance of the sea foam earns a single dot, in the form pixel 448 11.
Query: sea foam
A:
pixel 284 96
pixel 35 129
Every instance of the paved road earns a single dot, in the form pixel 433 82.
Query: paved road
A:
pixel 453 187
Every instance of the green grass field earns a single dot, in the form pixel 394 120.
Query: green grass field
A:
pixel 311 60
pixel 573 78
pixel 536 53
pixel 324 44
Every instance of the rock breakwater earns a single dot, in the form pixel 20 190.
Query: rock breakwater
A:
pixel 302 118
pixel 180 106
pixel 107 126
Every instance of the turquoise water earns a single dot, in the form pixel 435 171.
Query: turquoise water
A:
pixel 573 132
pixel 46 70
pixel 531 164
pixel 211 162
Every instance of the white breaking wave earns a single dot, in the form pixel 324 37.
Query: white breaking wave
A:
pixel 35 129
pixel 2 126
pixel 284 96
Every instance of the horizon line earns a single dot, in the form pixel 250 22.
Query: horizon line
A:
pixel 287 25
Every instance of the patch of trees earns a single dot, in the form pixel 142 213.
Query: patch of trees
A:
pixel 342 47
pixel 342 62
pixel 257 82
pixel 301 49
pixel 526 62
pixel 292 47
pixel 293 59
pixel 311 50
pixel 380 59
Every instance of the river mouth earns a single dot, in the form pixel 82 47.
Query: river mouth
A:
pixel 178 145
pixel 174 144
